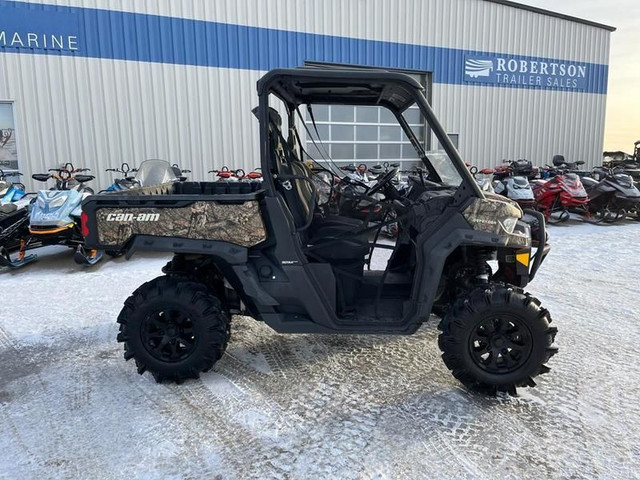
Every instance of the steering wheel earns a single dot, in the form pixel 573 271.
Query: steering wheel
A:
pixel 383 181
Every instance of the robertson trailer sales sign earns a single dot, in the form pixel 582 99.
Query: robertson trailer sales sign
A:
pixel 527 72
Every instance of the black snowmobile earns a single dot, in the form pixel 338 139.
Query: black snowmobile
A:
pixel 268 251
pixel 14 216
pixel 627 164
pixel 14 230
pixel 612 194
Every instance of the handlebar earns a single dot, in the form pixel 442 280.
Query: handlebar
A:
pixel 4 174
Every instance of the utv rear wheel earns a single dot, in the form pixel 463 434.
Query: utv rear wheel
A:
pixel 497 338
pixel 173 328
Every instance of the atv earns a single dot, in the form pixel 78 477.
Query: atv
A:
pixel 269 250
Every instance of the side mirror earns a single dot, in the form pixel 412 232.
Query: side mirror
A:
pixel 41 177
pixel 84 178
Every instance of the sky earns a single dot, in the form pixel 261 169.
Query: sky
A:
pixel 622 126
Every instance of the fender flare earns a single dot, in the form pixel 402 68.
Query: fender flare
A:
pixel 433 254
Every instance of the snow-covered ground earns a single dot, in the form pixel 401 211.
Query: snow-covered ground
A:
pixel 301 406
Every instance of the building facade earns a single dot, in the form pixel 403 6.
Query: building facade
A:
pixel 97 83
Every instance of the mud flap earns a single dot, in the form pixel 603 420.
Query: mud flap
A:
pixel 84 257
pixel 21 261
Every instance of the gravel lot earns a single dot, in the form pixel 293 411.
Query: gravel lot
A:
pixel 301 406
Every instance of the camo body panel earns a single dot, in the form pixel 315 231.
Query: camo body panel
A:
pixel 240 224
pixel 488 215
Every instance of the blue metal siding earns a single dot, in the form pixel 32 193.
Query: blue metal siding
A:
pixel 151 38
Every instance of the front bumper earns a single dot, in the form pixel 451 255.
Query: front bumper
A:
pixel 539 239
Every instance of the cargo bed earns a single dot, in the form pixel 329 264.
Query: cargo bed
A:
pixel 179 217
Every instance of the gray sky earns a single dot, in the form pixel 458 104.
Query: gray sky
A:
pixel 623 99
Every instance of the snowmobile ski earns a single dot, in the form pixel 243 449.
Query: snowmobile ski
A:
pixel 21 261
pixel 84 257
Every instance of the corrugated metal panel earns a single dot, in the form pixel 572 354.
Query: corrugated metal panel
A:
pixel 496 124
pixel 97 114
pixel 466 24
pixel 102 112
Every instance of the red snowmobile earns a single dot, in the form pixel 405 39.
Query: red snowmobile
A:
pixel 562 192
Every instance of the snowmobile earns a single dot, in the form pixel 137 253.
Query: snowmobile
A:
pixel 14 215
pixel 629 164
pixel 612 194
pixel 242 176
pixel 225 174
pixel 562 193
pixel 267 251
pixel 355 196
pixel 54 217
pixel 180 172
pixel 512 181
pixel 484 182
pixel 10 192
pixel 126 182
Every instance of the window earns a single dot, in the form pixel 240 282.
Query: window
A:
pixel 367 134
pixel 8 150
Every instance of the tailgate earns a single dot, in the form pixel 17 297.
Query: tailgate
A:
pixel 111 221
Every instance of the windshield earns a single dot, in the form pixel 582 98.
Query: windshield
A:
pixel 339 137
pixel 443 166
pixel 155 172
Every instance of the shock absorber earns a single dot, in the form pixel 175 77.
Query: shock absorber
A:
pixel 482 268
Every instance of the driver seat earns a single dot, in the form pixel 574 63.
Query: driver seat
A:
pixel 340 233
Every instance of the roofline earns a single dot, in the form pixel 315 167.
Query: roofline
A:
pixel 550 13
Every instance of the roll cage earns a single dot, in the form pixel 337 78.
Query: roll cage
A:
pixel 381 88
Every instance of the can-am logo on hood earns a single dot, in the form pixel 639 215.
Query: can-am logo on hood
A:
pixel 506 70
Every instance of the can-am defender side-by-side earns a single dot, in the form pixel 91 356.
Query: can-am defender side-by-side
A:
pixel 266 249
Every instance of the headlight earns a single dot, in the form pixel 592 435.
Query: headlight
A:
pixel 493 214
pixel 509 224
pixel 58 201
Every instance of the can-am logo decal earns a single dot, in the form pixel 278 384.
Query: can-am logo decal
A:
pixel 130 217
pixel 504 70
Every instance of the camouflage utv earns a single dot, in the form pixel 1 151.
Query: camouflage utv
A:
pixel 272 251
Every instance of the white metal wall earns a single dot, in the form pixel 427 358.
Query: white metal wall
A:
pixel 465 24
pixel 100 112
pixel 508 123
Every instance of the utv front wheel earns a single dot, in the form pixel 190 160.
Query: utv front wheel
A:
pixel 173 328
pixel 497 338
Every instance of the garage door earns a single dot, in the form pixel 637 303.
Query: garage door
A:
pixel 369 135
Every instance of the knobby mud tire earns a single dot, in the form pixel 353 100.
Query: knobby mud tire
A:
pixel 484 304
pixel 209 324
